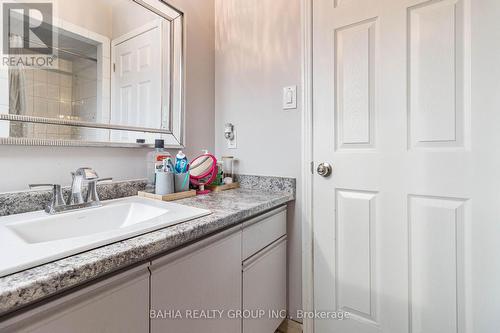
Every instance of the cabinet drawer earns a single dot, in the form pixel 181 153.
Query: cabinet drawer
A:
pixel 262 231
pixel 264 289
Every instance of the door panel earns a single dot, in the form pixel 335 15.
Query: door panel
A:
pixel 356 253
pixel 437 41
pixel 354 51
pixel 436 263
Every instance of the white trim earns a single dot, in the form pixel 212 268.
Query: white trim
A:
pixel 161 8
pixel 166 67
pixel 306 160
pixel 178 46
pixel 103 109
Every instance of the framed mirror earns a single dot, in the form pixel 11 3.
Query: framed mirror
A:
pixel 92 73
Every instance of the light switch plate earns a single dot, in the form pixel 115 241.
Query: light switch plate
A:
pixel 289 97
pixel 233 144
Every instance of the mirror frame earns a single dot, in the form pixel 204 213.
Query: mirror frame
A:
pixel 174 136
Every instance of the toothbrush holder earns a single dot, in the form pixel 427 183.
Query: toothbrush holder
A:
pixel 164 183
pixel 181 182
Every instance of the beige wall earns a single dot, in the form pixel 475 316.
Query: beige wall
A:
pixel 200 74
pixel 22 165
pixel 258 52
pixel 128 16
pixel 93 15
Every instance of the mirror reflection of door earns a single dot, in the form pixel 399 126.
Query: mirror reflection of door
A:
pixel 136 80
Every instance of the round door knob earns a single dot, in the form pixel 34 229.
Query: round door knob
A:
pixel 324 169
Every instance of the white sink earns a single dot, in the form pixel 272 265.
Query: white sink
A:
pixel 31 239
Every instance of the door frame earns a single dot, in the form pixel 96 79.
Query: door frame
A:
pixel 307 163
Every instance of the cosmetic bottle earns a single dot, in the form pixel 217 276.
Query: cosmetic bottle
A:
pixel 220 174
pixel 155 160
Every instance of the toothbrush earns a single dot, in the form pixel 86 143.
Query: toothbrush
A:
pixel 185 180
pixel 171 167
pixel 167 165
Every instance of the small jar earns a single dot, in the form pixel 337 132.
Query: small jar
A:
pixel 227 168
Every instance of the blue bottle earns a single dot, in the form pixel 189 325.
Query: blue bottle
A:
pixel 181 163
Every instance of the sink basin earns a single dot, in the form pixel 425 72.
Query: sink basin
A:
pixel 84 223
pixel 31 239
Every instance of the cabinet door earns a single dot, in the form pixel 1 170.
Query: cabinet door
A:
pixel 115 305
pixel 203 277
pixel 264 289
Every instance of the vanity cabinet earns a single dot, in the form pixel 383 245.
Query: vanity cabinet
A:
pixel 117 304
pixel 195 281
pixel 233 281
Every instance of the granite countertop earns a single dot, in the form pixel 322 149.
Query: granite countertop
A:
pixel 228 208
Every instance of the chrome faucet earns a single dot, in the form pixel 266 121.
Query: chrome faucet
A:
pixel 76 196
pixel 75 200
pixel 92 195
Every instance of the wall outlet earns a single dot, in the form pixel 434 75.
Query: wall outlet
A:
pixel 233 144
pixel 289 97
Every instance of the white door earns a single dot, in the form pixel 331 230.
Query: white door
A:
pixel 136 79
pixel 406 109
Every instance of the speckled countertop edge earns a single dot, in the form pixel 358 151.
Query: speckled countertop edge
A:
pixel 228 208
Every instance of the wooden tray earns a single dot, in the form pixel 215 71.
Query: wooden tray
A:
pixel 168 197
pixel 219 188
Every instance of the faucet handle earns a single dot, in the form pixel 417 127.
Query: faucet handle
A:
pixel 92 195
pixel 87 174
pixel 57 197
pixel 32 186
